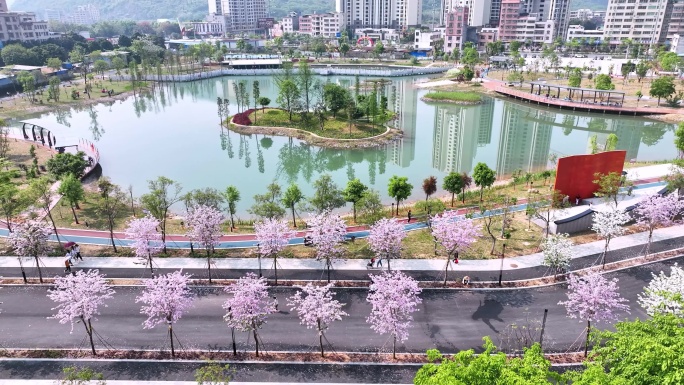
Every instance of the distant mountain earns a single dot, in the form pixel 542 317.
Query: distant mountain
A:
pixel 162 9
pixel 596 5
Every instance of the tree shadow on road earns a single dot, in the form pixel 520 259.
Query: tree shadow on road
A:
pixel 489 310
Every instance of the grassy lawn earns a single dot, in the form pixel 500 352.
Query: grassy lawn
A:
pixel 457 96
pixel 334 127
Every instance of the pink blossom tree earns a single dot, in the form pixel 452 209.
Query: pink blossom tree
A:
pixel 316 309
pixel 608 224
pixel 78 297
pixel 30 239
pixel 165 299
pixel 327 231
pixel 593 298
pixel 204 224
pixel 147 241
pixel 385 239
pixel 455 234
pixel 249 306
pixel 656 211
pixel 272 236
pixel 393 297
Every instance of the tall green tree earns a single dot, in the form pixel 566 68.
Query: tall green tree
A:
pixel 679 139
pixel 663 87
pixel 642 69
pixel 110 204
pixel 66 163
pixel 306 81
pixel 292 196
pixel 288 96
pixel 268 205
pixel 327 196
pixel 575 79
pixel 603 82
pixel 354 193
pixel 72 190
pixel 399 188
pixel 232 196
pixel 28 84
pixel 164 193
pixel 40 192
pixel 12 200
pixel 256 93
pixel 453 183
pixel 335 97
pixel 483 176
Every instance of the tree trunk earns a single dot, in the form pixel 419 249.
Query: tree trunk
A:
pixel 397 206
pixel 481 192
pixel 493 244
pixel 294 220
pixel 89 331
pixel 446 270
pixel 173 351
pixel 275 269
pixel 54 227
pixel 111 234
pixel 452 199
pixel 209 265
pixel 327 266
pixel 394 348
pixel 74 212
pixel 320 337
pixel 354 210
pixel 232 223
pixel 586 342
pixel 40 272
pixel 232 332
pixel 605 251
pixel 463 196
pixel 256 341
pixel 149 260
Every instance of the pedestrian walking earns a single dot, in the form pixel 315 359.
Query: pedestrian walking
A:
pixel 275 301
pixel 409 217
pixel 67 263
pixel 379 262
pixel 77 252
pixel 372 262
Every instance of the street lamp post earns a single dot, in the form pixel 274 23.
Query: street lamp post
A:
pixel 503 251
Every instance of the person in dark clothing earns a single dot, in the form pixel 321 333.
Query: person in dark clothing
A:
pixel 409 216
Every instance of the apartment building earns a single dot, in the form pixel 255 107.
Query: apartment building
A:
pixel 322 24
pixel 516 24
pixel 642 21
pixel 240 16
pixel 53 15
pixel 479 11
pixel 582 14
pixel 425 40
pixel 578 32
pixel 84 15
pixel 290 23
pixel 456 24
pixel 21 26
pixel 393 14
pixel 379 34
pixel 487 35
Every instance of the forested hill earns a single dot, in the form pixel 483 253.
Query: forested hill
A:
pixel 197 9
pixel 163 9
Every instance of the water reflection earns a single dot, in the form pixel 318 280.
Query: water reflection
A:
pixel 179 119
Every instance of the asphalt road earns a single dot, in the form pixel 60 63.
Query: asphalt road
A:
pixel 309 274
pixel 449 320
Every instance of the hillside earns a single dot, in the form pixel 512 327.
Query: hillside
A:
pixel 163 9
pixel 197 9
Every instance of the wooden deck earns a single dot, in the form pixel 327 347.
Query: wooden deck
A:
pixel 541 100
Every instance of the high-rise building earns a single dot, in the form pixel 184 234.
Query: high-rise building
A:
pixel 456 25
pixel 403 103
pixel 84 15
pixel 533 20
pixel 21 26
pixel 454 140
pixel 240 16
pixel 395 14
pixel 675 24
pixel 479 11
pixel 53 15
pixel 322 24
pixel 642 21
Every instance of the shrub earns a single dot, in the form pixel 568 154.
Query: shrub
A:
pixel 436 206
pixel 243 118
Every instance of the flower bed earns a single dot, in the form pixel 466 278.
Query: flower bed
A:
pixel 242 118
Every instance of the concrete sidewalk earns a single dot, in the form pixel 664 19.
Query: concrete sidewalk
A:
pixel 632 241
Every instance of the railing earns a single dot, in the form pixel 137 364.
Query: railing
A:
pixel 318 71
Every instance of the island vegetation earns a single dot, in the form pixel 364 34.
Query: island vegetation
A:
pixel 458 97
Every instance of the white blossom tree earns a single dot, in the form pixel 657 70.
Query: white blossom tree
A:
pixel 385 239
pixel 147 241
pixel 394 296
pixel 317 309
pixel 204 223
pixel 455 234
pixel 656 211
pixel 78 297
pixel 593 298
pixel 608 224
pixel 249 306
pixel 557 251
pixel 327 231
pixel 665 294
pixel 165 299
pixel 272 236
pixel 30 239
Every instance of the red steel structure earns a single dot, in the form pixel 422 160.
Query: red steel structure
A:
pixel 575 174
